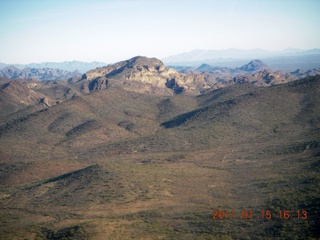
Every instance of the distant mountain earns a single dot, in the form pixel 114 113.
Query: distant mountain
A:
pixel 2 65
pixel 10 72
pixel 150 75
pixel 254 65
pixel 301 73
pixel 67 65
pixel 13 72
pixel 202 55
pixel 204 67
pixel 198 55
pixel 185 69
pixel 255 72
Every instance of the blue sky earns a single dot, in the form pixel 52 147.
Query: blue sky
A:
pixel 110 31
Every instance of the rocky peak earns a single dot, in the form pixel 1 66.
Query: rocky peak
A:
pixel 148 71
pixel 147 63
pixel 254 65
pixel 138 63
pixel 204 67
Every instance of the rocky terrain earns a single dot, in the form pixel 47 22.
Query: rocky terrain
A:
pixel 148 75
pixel 152 73
pixel 139 74
pixel 253 66
pixel 137 150
pixel 255 72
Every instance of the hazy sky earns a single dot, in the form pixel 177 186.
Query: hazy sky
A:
pixel 110 30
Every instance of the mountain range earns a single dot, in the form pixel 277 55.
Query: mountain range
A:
pixel 70 66
pixel 286 60
pixel 152 73
pixel 256 72
pixel 229 57
pixel 139 74
pixel 138 150
pixel 201 55
pixel 13 72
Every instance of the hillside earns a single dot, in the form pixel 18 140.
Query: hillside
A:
pixel 119 162
pixel 15 96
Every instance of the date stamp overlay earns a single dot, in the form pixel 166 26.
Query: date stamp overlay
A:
pixel 245 214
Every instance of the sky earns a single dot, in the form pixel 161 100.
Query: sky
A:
pixel 34 31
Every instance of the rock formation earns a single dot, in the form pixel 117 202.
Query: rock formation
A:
pixel 149 71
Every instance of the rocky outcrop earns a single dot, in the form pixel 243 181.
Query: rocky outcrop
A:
pixel 136 64
pixel 267 77
pixel 45 100
pixel 174 86
pixel 98 84
pixel 149 71
pixel 241 79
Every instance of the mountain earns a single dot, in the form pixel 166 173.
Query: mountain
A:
pixel 301 73
pixel 144 75
pixel 286 60
pixel 203 55
pixel 10 72
pixel 37 73
pixel 2 65
pixel 254 65
pixel 255 72
pixel 117 163
pixel 204 67
pixel 185 69
pixel 68 65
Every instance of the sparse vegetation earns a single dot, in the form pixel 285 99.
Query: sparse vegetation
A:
pixel 116 164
